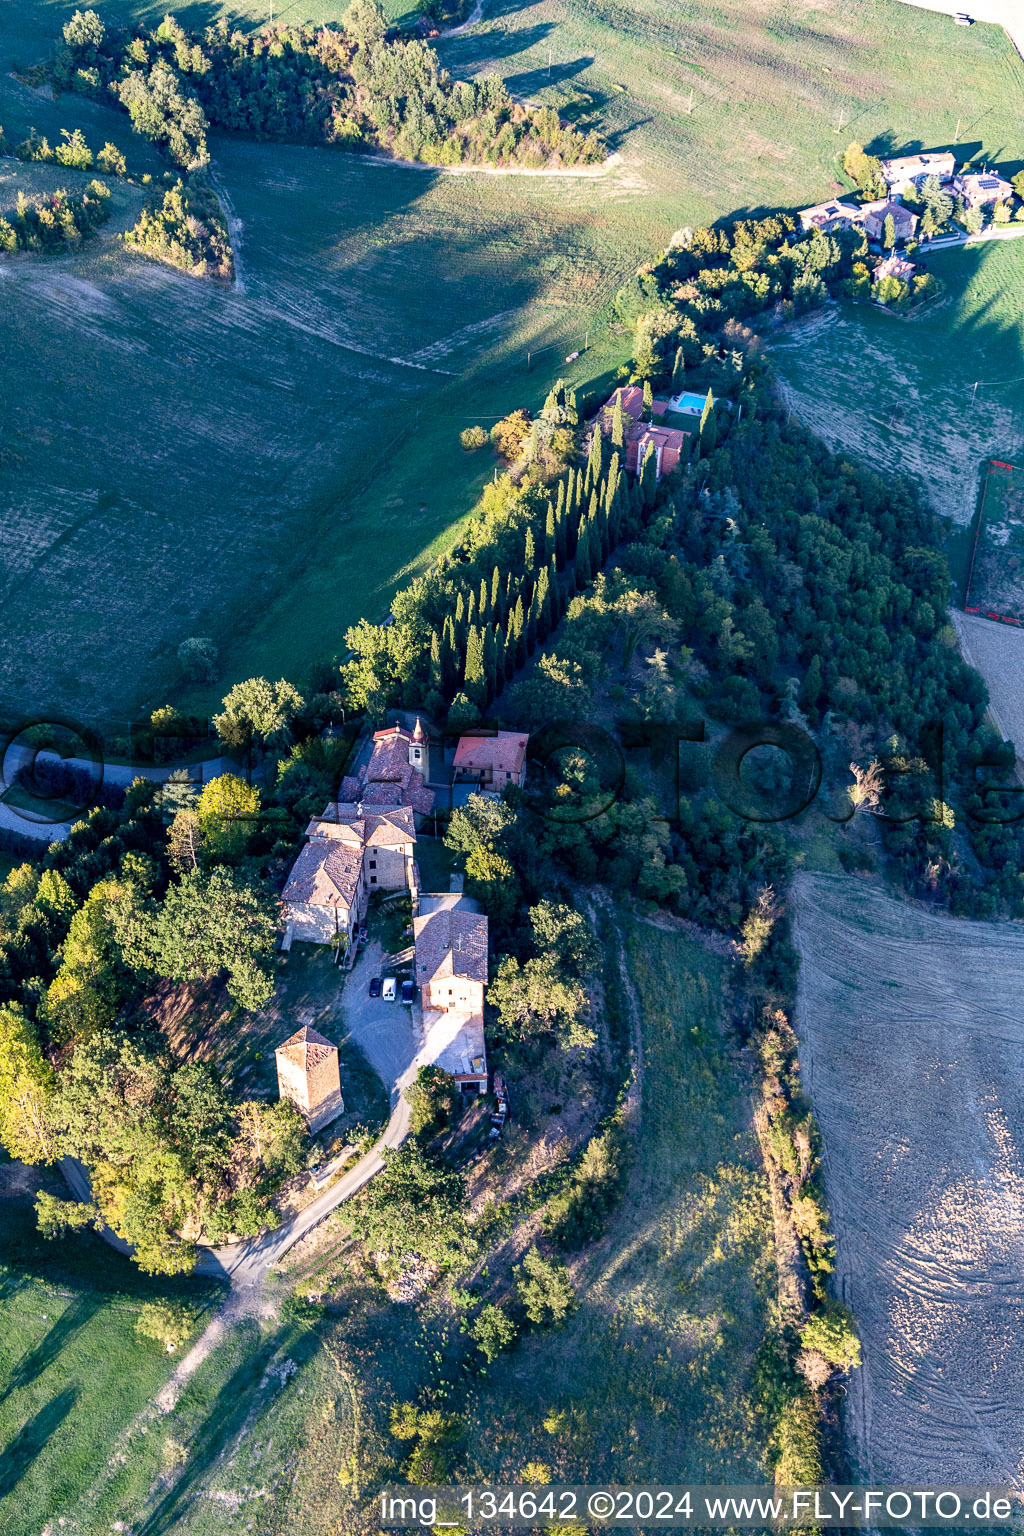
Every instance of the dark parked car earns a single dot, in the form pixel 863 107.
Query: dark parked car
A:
pixel 408 991
pixel 375 984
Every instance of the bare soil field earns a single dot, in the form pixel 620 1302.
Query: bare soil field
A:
pixel 911 1026
pixel 997 650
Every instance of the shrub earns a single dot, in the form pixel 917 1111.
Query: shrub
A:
pixel 473 438
pixel 493 1331
pixel 832 1332
pixel 198 655
pixel 433 1099
pixel 545 1289
pixel 579 1212
pixel 166 1322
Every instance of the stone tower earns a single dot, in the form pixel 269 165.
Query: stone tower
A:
pixel 307 1075
pixel 419 749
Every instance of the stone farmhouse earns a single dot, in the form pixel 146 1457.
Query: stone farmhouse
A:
pixel 894 266
pixel 491 760
pixel 450 935
pixel 830 216
pixel 868 217
pixel 874 215
pixel 308 1077
pixel 351 851
pixel 980 189
pixel 668 443
pixel 908 173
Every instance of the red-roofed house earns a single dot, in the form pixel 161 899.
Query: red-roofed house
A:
pixel 668 444
pixel 396 773
pixel 492 760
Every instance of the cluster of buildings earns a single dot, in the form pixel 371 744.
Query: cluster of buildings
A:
pixel 904 175
pixel 365 841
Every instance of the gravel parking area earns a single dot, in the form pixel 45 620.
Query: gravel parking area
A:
pixel 383 1031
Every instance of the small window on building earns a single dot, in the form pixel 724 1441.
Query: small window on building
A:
pixel 373 863
pixel 373 879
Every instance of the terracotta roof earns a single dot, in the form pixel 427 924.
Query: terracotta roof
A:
pixel 325 874
pixel 451 942
pixel 306 1048
pixel 360 826
pixel 505 752
pixel 389 778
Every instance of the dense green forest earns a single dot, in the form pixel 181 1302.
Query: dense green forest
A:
pixel 355 87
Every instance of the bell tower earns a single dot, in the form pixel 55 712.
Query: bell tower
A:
pixel 419 750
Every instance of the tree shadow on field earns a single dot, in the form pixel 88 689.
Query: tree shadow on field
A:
pixel 36 1361
pixel 534 80
pixel 31 1439
pixel 225 1419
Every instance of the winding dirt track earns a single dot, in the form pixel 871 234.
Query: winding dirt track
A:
pixel 911 1026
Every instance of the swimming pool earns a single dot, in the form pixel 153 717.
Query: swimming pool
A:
pixel 693 404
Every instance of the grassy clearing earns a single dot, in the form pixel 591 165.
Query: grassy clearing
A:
pixel 900 392
pixel 73 1372
pixel 265 464
pixel 654 1371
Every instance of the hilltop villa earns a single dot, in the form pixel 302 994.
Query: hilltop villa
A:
pixel 979 189
pixel 668 444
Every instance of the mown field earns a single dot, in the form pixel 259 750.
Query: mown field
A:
pixel 900 393
pixel 264 464
pixel 912 1047
pixel 74 1375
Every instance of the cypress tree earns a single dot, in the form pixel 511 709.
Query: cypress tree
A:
pixel 595 459
pixel 618 424
pixel 471 611
pixel 561 538
pixel 517 634
pixel 436 666
pixel 583 571
pixel 530 554
pixel 572 410
pixel 489 665
pixel 649 476
pixel 509 647
pixel 648 400
pixel 560 499
pixel 499 659
pixel 497 607
pixel 449 665
pixel 678 372
pixel 474 680
pixel 549 533
pixel 483 601
pixel 542 600
pixel 592 507
pixel 533 623
pixel 708 427
pixel 459 627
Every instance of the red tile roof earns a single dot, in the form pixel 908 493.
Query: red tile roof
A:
pixel 504 752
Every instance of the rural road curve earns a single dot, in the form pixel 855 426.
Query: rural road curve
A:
pixel 247 1263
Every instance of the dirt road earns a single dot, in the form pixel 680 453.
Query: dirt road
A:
pixel 911 1029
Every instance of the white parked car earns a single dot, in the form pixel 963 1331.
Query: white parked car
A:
pixel 388 989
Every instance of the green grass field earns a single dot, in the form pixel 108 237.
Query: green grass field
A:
pixel 74 1375
pixel 265 464
pixel 997 575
